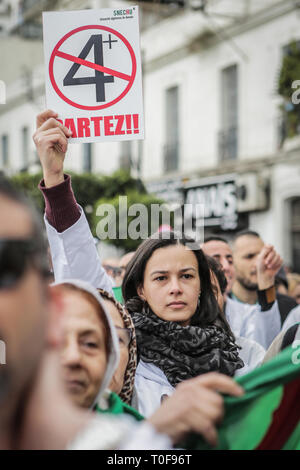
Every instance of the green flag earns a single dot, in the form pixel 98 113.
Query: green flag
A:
pixel 118 294
pixel 117 406
pixel 267 416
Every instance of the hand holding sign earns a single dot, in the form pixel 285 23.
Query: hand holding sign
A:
pixel 51 140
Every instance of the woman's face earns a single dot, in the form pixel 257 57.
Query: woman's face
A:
pixel 117 382
pixel 83 352
pixel 172 284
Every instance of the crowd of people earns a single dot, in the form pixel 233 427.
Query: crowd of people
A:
pixel 85 371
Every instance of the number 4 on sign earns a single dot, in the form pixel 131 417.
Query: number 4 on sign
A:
pixel 99 79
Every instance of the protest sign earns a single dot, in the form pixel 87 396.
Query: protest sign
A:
pixel 93 73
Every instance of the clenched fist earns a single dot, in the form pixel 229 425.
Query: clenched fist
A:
pixel 51 140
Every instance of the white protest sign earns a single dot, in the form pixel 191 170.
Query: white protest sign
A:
pixel 93 73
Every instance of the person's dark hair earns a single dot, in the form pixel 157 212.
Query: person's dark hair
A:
pixel 8 191
pixel 217 269
pixel 250 233
pixel 208 311
pixel 280 278
pixel 213 238
pixel 289 336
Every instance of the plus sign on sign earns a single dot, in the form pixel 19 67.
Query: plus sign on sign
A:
pixel 93 73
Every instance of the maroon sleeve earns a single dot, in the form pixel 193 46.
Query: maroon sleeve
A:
pixel 61 210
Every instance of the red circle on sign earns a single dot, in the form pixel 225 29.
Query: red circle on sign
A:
pixel 102 106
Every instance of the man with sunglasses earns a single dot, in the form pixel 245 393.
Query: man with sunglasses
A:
pixel 111 266
pixel 26 312
pixel 23 300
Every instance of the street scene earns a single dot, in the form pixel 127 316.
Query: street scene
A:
pixel 150 227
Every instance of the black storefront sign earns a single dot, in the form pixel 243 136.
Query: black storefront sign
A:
pixel 218 199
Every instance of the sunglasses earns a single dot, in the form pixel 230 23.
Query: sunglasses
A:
pixel 15 257
pixel 115 271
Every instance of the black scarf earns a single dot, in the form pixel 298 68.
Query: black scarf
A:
pixel 183 352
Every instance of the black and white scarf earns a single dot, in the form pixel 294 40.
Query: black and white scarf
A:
pixel 183 352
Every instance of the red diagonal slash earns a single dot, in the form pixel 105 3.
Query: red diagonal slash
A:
pixel 87 63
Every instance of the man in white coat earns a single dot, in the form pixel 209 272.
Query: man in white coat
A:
pixel 259 322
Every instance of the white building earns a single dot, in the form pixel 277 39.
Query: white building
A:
pixel 212 115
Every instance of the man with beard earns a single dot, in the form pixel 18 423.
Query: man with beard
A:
pixel 246 249
pixel 219 249
pixel 261 321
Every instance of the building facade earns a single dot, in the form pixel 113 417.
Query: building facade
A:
pixel 214 120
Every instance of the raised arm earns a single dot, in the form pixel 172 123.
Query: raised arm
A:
pixel 73 251
pixel 262 321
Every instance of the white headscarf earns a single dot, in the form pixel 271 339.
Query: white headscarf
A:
pixel 114 354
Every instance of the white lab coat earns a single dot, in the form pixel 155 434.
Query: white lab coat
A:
pixel 119 432
pixel 292 318
pixel 250 322
pixel 74 255
pixel 151 384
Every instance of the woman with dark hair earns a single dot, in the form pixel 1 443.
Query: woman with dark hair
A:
pixel 181 332
pixel 167 288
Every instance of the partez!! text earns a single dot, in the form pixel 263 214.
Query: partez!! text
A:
pixel 97 126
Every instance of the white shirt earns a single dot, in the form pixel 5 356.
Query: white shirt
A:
pixel 292 318
pixel 251 353
pixel 150 384
pixel 122 432
pixel 249 321
pixel 74 255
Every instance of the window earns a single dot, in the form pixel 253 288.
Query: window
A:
pixel 171 153
pixel 87 158
pixel 25 147
pixel 228 135
pixel 126 157
pixel 289 119
pixel 295 233
pixel 5 150
pixel 2 90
